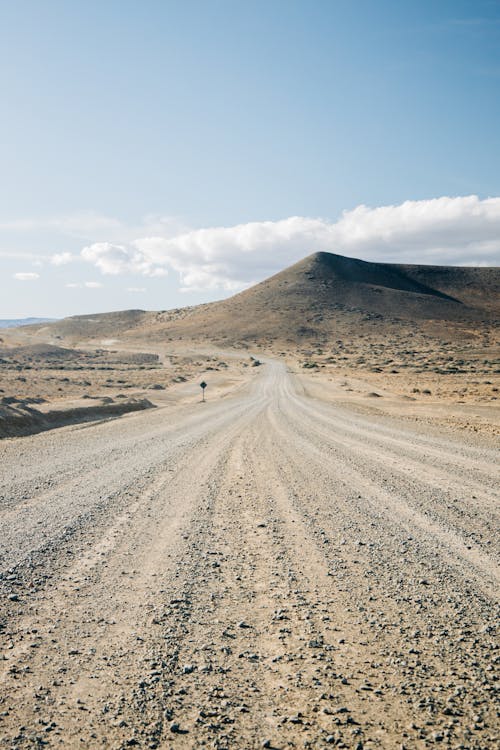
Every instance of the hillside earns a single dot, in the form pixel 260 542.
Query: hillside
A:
pixel 327 294
pixel 323 295
pixel 85 327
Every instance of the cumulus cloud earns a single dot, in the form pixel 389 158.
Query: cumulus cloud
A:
pixel 62 259
pixel 447 230
pixel 26 276
pixel 137 289
pixel 114 259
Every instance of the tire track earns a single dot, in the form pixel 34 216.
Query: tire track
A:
pixel 262 573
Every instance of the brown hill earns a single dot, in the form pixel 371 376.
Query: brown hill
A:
pixel 321 296
pixel 325 291
pixel 85 327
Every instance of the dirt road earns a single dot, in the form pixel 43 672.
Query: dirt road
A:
pixel 264 570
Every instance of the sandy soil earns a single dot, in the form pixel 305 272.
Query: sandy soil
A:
pixel 264 570
pixel 433 405
pixel 44 385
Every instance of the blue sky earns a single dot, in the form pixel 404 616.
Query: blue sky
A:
pixel 188 148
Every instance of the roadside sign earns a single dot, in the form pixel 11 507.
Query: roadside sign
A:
pixel 203 385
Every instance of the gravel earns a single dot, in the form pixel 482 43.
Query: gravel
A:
pixel 122 631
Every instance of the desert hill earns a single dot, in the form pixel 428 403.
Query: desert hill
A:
pixel 86 327
pixel 326 294
pixel 334 282
pixel 321 296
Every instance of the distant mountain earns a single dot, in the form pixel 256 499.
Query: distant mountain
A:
pixel 24 322
pixel 95 325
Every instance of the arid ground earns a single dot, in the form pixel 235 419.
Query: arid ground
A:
pixel 309 559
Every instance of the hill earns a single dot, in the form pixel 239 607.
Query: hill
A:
pixel 323 295
pixel 326 294
pixel 87 327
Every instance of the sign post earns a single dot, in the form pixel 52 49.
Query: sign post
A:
pixel 203 385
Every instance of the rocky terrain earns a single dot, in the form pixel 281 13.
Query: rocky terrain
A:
pixel 45 385
pixel 309 559
pixel 263 570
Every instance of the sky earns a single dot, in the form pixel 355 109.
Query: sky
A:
pixel 157 154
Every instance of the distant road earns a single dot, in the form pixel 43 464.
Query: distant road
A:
pixel 264 570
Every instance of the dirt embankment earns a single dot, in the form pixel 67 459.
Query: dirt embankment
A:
pixel 20 418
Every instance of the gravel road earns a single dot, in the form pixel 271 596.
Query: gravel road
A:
pixel 264 570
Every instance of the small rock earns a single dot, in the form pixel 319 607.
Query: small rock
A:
pixel 175 727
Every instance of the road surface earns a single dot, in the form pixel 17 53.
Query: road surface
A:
pixel 264 570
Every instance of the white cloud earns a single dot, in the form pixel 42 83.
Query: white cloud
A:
pixel 26 276
pixel 85 285
pixel 114 259
pixel 135 289
pixel 450 231
pixel 62 259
